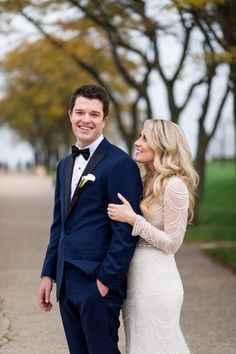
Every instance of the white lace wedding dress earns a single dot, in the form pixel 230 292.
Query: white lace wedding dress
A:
pixel 151 311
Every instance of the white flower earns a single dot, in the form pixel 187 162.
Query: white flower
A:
pixel 85 179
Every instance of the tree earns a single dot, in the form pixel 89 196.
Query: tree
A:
pixel 135 30
pixel 37 92
pixel 216 19
pixel 39 83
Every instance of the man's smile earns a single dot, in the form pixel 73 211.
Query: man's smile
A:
pixel 85 128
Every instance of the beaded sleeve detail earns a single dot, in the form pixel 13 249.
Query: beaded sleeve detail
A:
pixel 166 228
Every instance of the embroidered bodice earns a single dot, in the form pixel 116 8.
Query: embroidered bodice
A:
pixel 166 227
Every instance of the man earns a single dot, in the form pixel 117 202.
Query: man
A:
pixel 88 254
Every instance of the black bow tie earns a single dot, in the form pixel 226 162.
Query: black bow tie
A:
pixel 76 152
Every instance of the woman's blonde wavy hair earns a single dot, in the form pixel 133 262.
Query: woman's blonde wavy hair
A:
pixel 172 157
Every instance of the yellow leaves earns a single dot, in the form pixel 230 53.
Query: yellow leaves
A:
pixel 228 56
pixel 39 82
pixel 40 79
pixel 198 4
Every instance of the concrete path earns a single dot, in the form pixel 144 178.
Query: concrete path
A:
pixel 209 311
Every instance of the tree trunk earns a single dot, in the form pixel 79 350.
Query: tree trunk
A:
pixel 233 78
pixel 200 165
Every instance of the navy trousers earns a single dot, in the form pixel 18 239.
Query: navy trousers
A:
pixel 90 321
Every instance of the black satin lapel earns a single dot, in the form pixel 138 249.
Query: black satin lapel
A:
pixel 95 159
pixel 69 172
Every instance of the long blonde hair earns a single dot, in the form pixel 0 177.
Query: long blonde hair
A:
pixel 172 157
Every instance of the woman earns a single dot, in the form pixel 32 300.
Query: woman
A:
pixel 155 293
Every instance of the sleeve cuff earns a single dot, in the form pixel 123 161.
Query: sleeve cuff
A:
pixel 137 228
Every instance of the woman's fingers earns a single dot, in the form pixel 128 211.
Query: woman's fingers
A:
pixel 113 210
pixel 109 210
pixel 117 211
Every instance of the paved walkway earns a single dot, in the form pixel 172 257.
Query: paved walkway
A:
pixel 209 311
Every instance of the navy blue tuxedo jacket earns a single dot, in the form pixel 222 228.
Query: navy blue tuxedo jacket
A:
pixel 81 232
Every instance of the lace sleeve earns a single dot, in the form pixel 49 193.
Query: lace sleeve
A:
pixel 175 212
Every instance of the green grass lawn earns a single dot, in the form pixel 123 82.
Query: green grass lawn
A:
pixel 217 214
pixel 224 255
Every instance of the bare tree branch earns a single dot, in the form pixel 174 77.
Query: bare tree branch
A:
pixel 106 25
pixel 184 50
pixel 219 112
pixel 205 105
pixel 190 92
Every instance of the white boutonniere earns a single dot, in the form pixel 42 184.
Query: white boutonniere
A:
pixel 86 179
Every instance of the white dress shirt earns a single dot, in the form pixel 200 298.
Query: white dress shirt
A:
pixel 81 163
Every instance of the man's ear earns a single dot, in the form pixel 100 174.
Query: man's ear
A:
pixel 70 115
pixel 105 119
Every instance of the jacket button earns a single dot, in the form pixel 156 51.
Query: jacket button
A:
pixel 67 232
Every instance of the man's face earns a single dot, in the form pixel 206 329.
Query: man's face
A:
pixel 87 120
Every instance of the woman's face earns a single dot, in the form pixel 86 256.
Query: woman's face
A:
pixel 144 153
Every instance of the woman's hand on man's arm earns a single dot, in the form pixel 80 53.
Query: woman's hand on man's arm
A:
pixel 122 212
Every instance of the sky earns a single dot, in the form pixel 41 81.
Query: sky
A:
pixel 15 152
